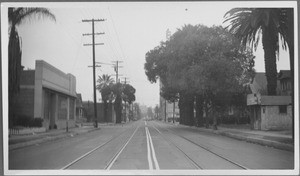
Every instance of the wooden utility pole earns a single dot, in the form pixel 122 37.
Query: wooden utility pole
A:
pixel 125 101
pixel 168 35
pixel 116 67
pixel 94 73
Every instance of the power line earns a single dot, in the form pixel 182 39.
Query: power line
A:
pixel 116 33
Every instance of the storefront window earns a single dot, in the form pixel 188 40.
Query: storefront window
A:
pixel 72 102
pixel 62 107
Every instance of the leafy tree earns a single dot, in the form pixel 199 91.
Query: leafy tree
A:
pixel 202 64
pixel 104 86
pixel 137 111
pixel 156 111
pixel 17 16
pixel 128 94
pixel 121 92
pixel 150 112
pixel 117 90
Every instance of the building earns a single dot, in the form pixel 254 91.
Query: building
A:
pixel 285 82
pixel 49 94
pixel 270 112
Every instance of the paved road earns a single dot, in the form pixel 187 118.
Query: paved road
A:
pixel 144 145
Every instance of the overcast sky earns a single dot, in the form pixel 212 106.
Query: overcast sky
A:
pixel 131 29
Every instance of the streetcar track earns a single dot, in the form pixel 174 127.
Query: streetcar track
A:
pixel 93 150
pixel 197 166
pixel 205 148
pixel 114 158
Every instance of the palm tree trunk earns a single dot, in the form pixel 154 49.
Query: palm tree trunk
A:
pixel 14 69
pixel 290 41
pixel 269 42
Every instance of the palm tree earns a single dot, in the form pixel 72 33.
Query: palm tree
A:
pixel 104 87
pixel 17 16
pixel 245 23
pixel 249 24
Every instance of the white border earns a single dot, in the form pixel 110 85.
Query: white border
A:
pixel 4 45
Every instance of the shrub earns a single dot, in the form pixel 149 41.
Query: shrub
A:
pixel 37 122
pixel 27 121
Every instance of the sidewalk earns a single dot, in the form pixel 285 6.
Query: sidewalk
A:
pixel 277 139
pixel 20 141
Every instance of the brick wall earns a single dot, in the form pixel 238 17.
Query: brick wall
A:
pixel 25 103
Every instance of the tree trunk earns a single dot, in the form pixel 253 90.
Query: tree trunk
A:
pixel 269 41
pixel 186 107
pixel 190 109
pixel 118 109
pixel 215 115
pixel 206 109
pixel 290 41
pixel 199 111
pixel 181 108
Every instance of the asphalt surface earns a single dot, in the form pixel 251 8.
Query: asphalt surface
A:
pixel 149 145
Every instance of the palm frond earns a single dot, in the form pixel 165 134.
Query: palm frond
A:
pixel 18 15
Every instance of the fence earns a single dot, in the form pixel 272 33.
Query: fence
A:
pixel 20 131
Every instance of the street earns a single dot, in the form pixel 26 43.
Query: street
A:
pixel 147 145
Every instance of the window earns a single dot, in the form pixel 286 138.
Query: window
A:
pixel 71 108
pixel 282 109
pixel 62 107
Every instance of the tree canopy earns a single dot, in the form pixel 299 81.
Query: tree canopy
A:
pixel 199 60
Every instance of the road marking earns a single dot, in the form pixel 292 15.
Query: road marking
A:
pixel 116 156
pixel 148 150
pixel 153 151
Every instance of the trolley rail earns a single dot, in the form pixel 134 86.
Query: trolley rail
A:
pixel 110 163
pixel 197 166
pixel 203 147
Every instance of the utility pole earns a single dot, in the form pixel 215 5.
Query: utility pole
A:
pixel 116 67
pixel 94 73
pixel 168 35
pixel 125 80
pixel 125 101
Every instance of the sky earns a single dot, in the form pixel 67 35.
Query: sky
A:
pixel 131 30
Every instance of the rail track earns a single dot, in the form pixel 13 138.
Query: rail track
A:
pixel 169 141
pixel 113 159
pixel 199 145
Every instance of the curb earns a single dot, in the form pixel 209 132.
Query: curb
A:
pixel 47 139
pixel 263 142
